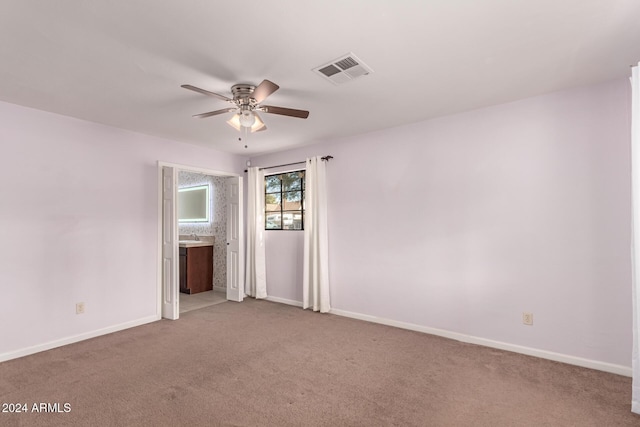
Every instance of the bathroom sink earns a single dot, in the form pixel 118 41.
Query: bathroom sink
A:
pixel 194 243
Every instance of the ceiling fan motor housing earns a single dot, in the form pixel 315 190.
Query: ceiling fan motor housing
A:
pixel 242 94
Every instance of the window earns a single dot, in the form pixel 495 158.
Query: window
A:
pixel 284 201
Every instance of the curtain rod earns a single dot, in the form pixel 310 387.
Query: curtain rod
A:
pixel 325 158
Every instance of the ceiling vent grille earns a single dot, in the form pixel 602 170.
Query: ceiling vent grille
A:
pixel 343 69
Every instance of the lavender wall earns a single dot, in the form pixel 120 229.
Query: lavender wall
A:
pixel 79 223
pixel 464 222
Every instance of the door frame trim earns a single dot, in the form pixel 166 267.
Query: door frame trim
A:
pixel 177 168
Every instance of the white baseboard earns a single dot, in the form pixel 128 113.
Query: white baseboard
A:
pixel 543 354
pixel 285 301
pixel 558 357
pixel 76 338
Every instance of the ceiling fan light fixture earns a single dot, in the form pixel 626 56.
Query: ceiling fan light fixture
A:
pixel 235 122
pixel 247 119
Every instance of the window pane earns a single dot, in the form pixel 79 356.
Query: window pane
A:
pixel 291 181
pixel 272 202
pixel 292 220
pixel 272 183
pixel 292 200
pixel 273 221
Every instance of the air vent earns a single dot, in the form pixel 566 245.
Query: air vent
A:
pixel 343 69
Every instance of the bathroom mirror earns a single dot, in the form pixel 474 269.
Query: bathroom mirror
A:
pixel 193 204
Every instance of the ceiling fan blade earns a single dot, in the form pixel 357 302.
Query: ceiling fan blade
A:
pixel 291 112
pixel 206 92
pixel 214 113
pixel 263 90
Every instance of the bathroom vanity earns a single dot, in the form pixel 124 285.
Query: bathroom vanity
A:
pixel 196 266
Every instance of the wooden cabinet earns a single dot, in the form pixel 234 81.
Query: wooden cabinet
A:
pixel 196 269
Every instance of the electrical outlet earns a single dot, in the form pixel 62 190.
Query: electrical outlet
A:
pixel 527 318
pixel 80 308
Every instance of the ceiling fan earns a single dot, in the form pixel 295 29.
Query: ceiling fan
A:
pixel 246 100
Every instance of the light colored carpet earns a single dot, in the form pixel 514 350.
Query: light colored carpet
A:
pixel 259 363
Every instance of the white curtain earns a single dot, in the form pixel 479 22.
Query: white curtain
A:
pixel 255 277
pixel 315 293
pixel 635 242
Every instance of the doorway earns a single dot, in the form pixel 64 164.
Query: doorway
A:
pixel 224 228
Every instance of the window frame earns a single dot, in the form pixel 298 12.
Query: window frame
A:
pixel 282 194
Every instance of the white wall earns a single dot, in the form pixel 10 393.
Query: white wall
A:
pixel 79 223
pixel 464 222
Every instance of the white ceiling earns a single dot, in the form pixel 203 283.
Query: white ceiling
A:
pixel 121 63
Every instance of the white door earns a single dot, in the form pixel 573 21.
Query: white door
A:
pixel 235 241
pixel 169 245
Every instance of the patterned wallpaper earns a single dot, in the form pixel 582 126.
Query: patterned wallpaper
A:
pixel 217 227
